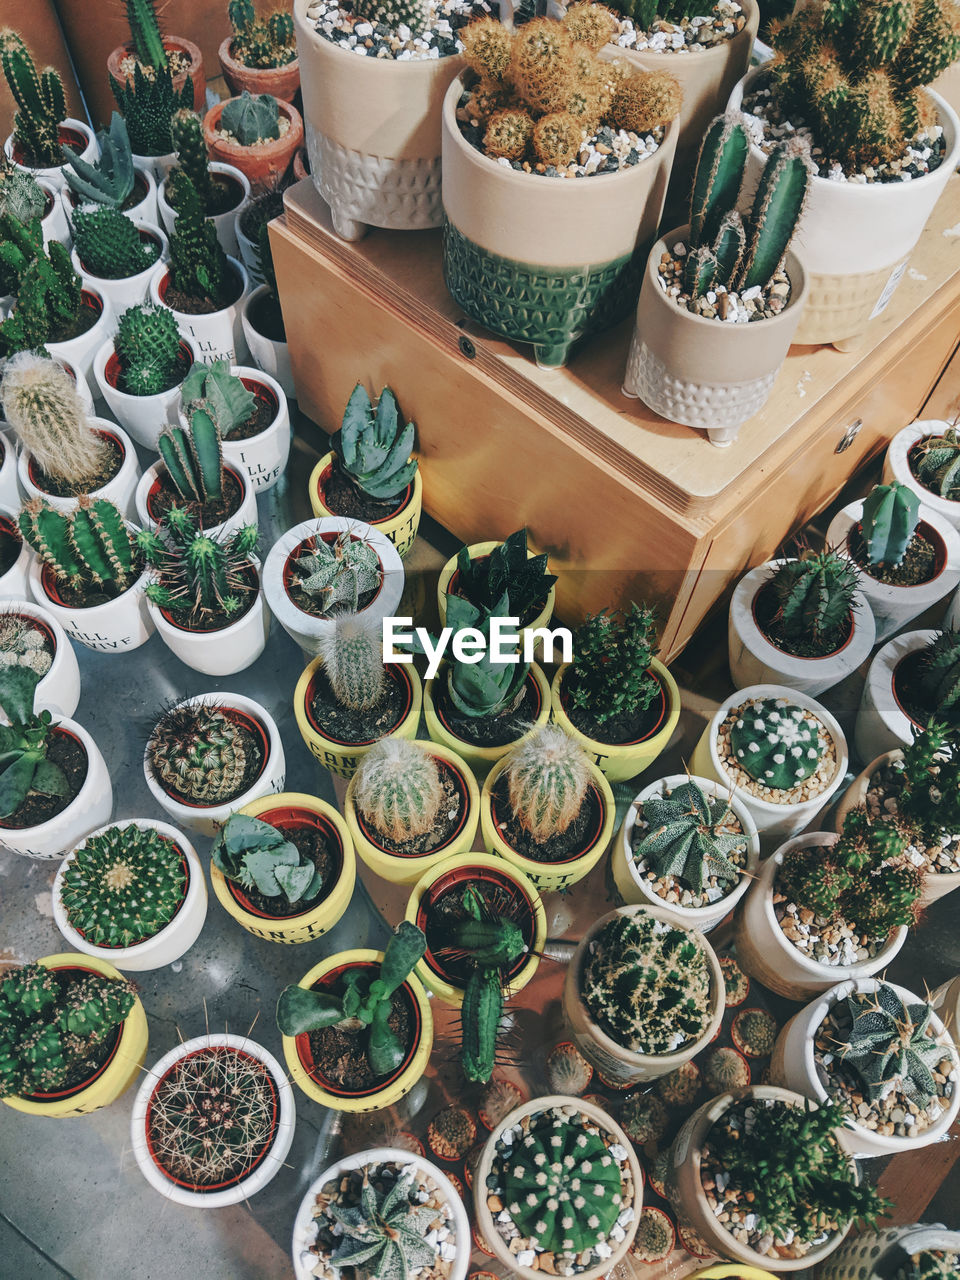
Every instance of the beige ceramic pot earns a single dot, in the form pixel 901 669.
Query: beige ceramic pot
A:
pixel 874 1255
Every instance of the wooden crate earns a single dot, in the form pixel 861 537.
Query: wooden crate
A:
pixel 628 506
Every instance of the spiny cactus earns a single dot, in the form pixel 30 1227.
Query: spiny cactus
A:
pixel 487 47
pixel 755 1032
pixel 22 199
pixel 352 655
pixel 199 577
pixel 931 1264
pixel 397 789
pixel 198 264
pixel 939 690
pixel 109 245
pixel 452 1132
pixel 197 751
pixel 930 771
pixel 145 32
pixel 123 885
pixel 814 596
pixel 258 856
pixel 655 1236
pixel 646 102
pixel 251 119
pixel 24 742
pixel 508 134
pixel 261 42
pixel 41 103
pixel 373 446
pixel 110 180
pixel 87 547
pixel 385 1235
pixel 611 676
pixel 684 839
pixel 192 156
pixel 147 343
pixel 148 106
pixel 567 1070
pixel 393 13
pixel 335 575
pixel 889 1042
pixel 645 13
pixel 41 403
pixel 776 742
pixel 49 291
pixel 557 137
pixel 936 464
pixel 644 1118
pixel 724 1070
pixel 591 24
pixel 647 984
pixel 483 689
pixel 891 513
pixel 22 644
pixel 193 458
pixel 547 776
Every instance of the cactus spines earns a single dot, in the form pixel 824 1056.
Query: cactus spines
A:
pixel 394 13
pixel 251 119
pixel 192 157
pixel 145 33
pixel 725 1070
pixel 568 1072
pixel 699 271
pixel 197 751
pixel 487 45
pixel 557 137
pixel 198 264
pixel 49 291
pixel 591 24
pixel 22 644
pixel 384 1236
pixel 41 403
pixel 148 105
pixel 646 101
pixel 374 446
pixel 193 457
pixel 123 885
pixel 352 656
pixel 547 776
pixel 891 513
pixel 397 789
pixel 451 1133
pixel 87 547
pixel 776 211
pixel 940 677
pixel 814 596
pixel 889 1041
pixel 335 575
pixel 754 1032
pixel 719 176
pixel 147 343
pixel 21 198
pixel 936 463
pixel 109 245
pixel 509 133
pixel 644 1118
pixel 41 103
pixel 198 576
pixel 685 837
pixel 110 180
pixel 655 1236
pixel 540 64
pixel 931 1264
pixel 776 742
pixel 261 42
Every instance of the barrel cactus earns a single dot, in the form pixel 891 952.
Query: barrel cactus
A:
pixel 397 789
pixel 198 752
pixel 147 344
pixel 814 595
pixel 352 655
pixel 776 742
pixel 890 1042
pixel 547 777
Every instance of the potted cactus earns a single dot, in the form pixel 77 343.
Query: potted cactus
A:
pixel 642 994
pixel 139 371
pixel 722 296
pixel 148 104
pixel 369 473
pixel 925 456
pixel 24 198
pixel 249 224
pixel 15 558
pixel 257 135
pixel 410 805
pixel 802 623
pixel 113 180
pixel 117 254
pixel 75 1036
pixel 913 679
pixel 191 1147
pixel 133 892
pixel 262 316
pixel 357 1029
pixel 908 555
pixel 483 572
pixel 151 54
pixel 260 54
pixel 210 755
pixel 915 1251
pixel 547 809
pixel 223 189
pixel 30 636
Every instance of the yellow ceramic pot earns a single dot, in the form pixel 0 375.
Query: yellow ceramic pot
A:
pixel 296 1049
pixel 480 759
pixel 119 1071
pixel 731 1272
pixel 478 549
pixel 478 868
pixel 341 757
pixel 619 761
pixel 280 810
pixel 400 527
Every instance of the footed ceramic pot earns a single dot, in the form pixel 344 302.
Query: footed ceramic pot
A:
pixel 874 1255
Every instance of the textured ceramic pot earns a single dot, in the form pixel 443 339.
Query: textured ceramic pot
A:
pixel 76 134
pixel 215 335
pixel 262 457
pixel 225 222
pixel 128 290
pixel 118 490
pixel 577 248
pixel 118 626
pixel 59 688
pixel 149 516
pixel 882 723
pixel 172 44
pixel 281 82
pixel 373 132
pixel 874 1255
pixel 78 352
pixel 896 466
pixel 269 354
pixel 143 417
pixel 145 209
pixel 15 583
pixel 264 163
pixel 858 237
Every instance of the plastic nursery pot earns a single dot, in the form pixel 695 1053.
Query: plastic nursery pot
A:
pixel 280 82
pixel 79 351
pixel 288 811
pixel 143 417
pixel 225 222
pixel 755 659
pixel 793 1066
pixel 631 882
pixel 875 1254
pixel 400 526
pixel 143 210
pixel 175 938
pixel 216 335
pixel 264 456
pixel 206 819
pixel 59 688
pixel 54 224
pixel 486 1225
pixel 335 754
pixel 305 1224
pixel 270 1159
pixel 687 1196
pixel 15 582
pixel 521 901
pixel 550 875
pixel 766 953
pixel 893 607
pixel 896 466
pixel 449 576
pixel 697 370
pixel 128 291
pixel 883 722
pixel 306 1072
pixel 75 133
pixel 172 44
pixel 119 489
pixel 619 761
pixel 154 479
pixel 270 354
pixel 264 163
pixel 617 1063
pixel 218 651
pixel 481 759
pixel 401 868
pixel 122 1066
pixel 773 820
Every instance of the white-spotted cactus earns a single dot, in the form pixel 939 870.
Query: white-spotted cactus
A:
pixel 776 743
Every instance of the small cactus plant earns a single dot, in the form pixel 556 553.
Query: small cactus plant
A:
pixel 889 1042
pixel 939 685
pixel 148 106
pixel 508 570
pixel 776 742
pixel 754 1032
pixel 25 768
pixel 49 291
pixel 547 776
pixel 393 13
pixel 936 463
pixel 484 689
pixel 193 458
pixel 88 548
pixel 684 838
pixel 110 180
pixel 930 770
pixel 22 644
pixel 145 33
pixel 644 1118
pixel 373 447
pixel 109 245
pixel 451 1133
pixel 334 576
pixel 193 158
pixel 198 265
pixel 814 600
pixel 931 1264
pixel 568 1072
pixel 352 654
pixel 725 1070
pixel 655 1236
pixel 147 344
pixel 397 790
pixel 222 395
pixel 261 42
pixel 22 199
pixel 202 581
pixel 198 752
pixel 385 1236
pixel 250 119
pixel 891 513
pixel 611 679
pixel 41 103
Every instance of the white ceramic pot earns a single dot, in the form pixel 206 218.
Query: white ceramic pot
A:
pixel 756 660
pixel 10 496
pixel 302 627
pixel 206 820
pixel 268 354
pixel 264 1170
pixel 119 490
pixel 246 512
pixel 144 210
pixel 767 954
pixel 15 583
pixel 225 223
pixel 262 457
pixel 223 652
pixel 83 142
pixel 59 689
pixel 90 808
pixel 951 619
pixel 81 383
pixel 896 466
pixel 157 166
pixel 774 821
pixel 633 885
pixel 129 290
pixel 304 1227
pixel 217 335
pixel 79 352
pixel 54 222
pixel 118 626
pixel 875 1255
pixel 248 252
pixel 793 1067
pixel 175 939
pixel 882 724
pixel 893 607
pixel 857 237
pixel 143 417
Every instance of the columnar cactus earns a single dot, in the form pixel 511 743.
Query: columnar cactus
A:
pixel 251 119
pixel 814 596
pixel 148 345
pixel 109 180
pixel 193 457
pixel 109 245
pixel 261 42
pixel 198 575
pixel 374 447
pixel 684 838
pixel 891 513
pixel 87 547
pixel 145 33
pixel 198 264
pixel 940 677
pixel 889 1043
pixel 192 155
pixel 197 751
pixel 352 656
pixel 397 789
pixel 936 461
pixel 547 776
pixel 41 102
pixel 776 743
pixel 385 1235
pixel 49 291
pixel 41 403
pixel 337 574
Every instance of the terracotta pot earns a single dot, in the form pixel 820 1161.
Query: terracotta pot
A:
pixel 300 162
pixel 281 82
pixel 896 466
pixel 264 163
pixel 882 723
pixel 878 1254
pixel 173 44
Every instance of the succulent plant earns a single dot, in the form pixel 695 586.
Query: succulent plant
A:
pixel 547 775
pixel 352 655
pixel 25 743
pixel 936 464
pixel 506 571
pixel 930 770
pixel 891 513
pixel 397 789
pixel 939 690
pixel 568 1072
pixel 193 458
pixel 724 1070
pixel 384 1237
pixel 336 574
pixel 21 643
pixel 199 577
pixel 611 676
pixel 147 343
pixel 776 742
pixel 89 547
pixel 680 1087
pixel 684 837
pixel 193 158
pixel 889 1041
pixel 261 42
pixel 479 690
pixel 647 984
pixel 221 394
pixel 145 34
pixel 110 180
pixel 393 13
pixel 109 245
pixel 655 1236
pixel 755 1032
pixel 452 1132
pixel 250 119
pixel 644 13
pixel 49 291
pixel 257 856
pixel 197 751
pixel 22 199
pixel 40 99
pixel 814 595
pixel 373 446
pixel 644 1118
pixel 931 1264
pixel 123 886
pixel 148 105
pixel 41 403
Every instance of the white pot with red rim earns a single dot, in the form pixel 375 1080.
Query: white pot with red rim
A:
pixel 169 943
pixel 83 387
pixel 144 417
pixel 119 489
pixel 264 456
pixel 90 808
pixel 10 495
pixel 157 166
pixel 272 355
pixel 278 574
pixel 150 516
pixel 53 220
pixel 59 688
pixel 896 466
pixel 128 291
pixel 268 1162
pixel 216 335
pixel 883 722
pixel 75 134
pixel 15 583
pixel 220 651
pixel 144 210
pixel 78 352
pixel 225 222
pixel 206 820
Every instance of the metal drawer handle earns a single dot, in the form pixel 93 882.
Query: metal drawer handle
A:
pixel 848 437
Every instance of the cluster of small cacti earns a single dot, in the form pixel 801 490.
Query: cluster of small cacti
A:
pixel 198 264
pixel 930 771
pixel 814 597
pixel 251 119
pixel 936 463
pixel 373 446
pixel 197 751
pixel 854 73
pixel 41 102
pixel 397 789
pixel 193 458
pixel 198 575
pixel 49 291
pixel 611 676
pixel 51 1024
pixel 776 742
pixel 261 42
pixel 385 1235
pixel 393 13
pixel 109 245
pixel 145 34
pixel 891 513
pixel 687 837
pixel 544 90
pixel 87 548
pixel 645 13
pixel 352 654
pixel 939 685
pixel 547 775
pixel 335 575
pixel 889 1042
pixel 147 343
pixel 22 645
pixel 148 105
pixel 109 180
pixel 41 403
pixel 123 886
pixel 647 984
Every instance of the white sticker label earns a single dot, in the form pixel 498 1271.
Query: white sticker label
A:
pixel 889 289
